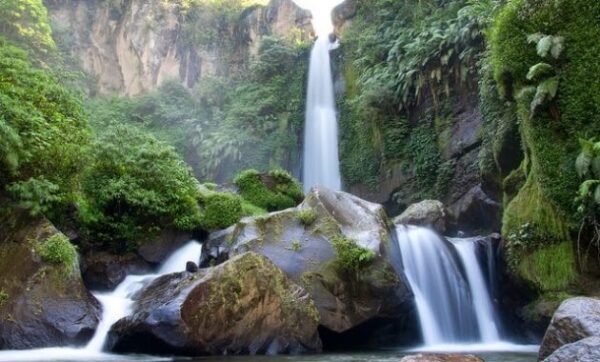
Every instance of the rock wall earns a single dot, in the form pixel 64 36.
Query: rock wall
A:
pixel 131 47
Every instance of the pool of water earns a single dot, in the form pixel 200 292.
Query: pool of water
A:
pixel 501 353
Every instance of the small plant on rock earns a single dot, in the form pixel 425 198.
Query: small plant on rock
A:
pixel 307 217
pixel 57 249
pixel 351 257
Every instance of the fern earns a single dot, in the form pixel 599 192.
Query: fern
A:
pixel 539 70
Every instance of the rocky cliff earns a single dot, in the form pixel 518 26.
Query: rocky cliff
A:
pixel 130 47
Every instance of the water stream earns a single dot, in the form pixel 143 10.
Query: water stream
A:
pixel 115 305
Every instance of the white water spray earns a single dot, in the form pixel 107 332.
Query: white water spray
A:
pixel 321 157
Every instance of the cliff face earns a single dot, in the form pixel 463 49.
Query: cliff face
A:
pixel 134 46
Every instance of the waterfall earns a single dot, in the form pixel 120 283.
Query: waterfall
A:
pixel 115 305
pixel 321 159
pixel 451 296
pixel 484 310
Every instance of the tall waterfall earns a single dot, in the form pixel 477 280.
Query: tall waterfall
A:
pixel 321 159
pixel 452 299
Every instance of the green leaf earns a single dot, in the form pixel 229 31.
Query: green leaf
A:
pixel 587 186
pixel 539 70
pixel 558 44
pixel 582 164
pixel 534 38
pixel 544 45
pixel 597 195
pixel 550 86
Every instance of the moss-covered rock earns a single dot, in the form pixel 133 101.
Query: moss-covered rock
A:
pixel 244 306
pixel 43 301
pixel 272 191
pixel 357 281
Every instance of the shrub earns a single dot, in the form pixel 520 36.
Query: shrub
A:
pixel 351 258
pixel 307 216
pixel 220 210
pixel 135 187
pixel 57 249
pixel 277 190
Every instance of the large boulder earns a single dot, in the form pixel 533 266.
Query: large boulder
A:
pixel 301 241
pixel 155 251
pixel 585 350
pixel 439 357
pixel 476 212
pixel 431 213
pixel 575 319
pixel 243 306
pixel 42 303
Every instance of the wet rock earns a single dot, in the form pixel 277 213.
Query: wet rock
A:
pixel 191 267
pixel 585 350
pixel 41 304
pixel 438 357
pixel 575 319
pixel 304 251
pixel 244 306
pixel 157 250
pixel 475 212
pixel 430 213
pixel 104 271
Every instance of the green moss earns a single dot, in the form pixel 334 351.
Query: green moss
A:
pixel 57 249
pixel 350 257
pixel 277 190
pixel 219 210
pixel 3 297
pixel 249 209
pixel 552 267
pixel 307 216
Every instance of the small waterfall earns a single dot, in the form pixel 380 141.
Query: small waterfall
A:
pixel 452 307
pixel 115 305
pixel 484 310
pixel 321 158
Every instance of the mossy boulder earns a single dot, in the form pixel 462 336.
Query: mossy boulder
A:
pixel 585 350
pixel 272 191
pixel 430 213
pixel 345 257
pixel 43 301
pixel 244 306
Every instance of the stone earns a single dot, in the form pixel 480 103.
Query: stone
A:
pixel 475 212
pixel 439 357
pixel 104 271
pixel 157 250
pixel 585 350
pixel 244 306
pixel 191 267
pixel 306 254
pixel 430 213
pixel 575 319
pixel 41 304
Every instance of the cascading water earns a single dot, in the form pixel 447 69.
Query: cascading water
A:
pixel 321 158
pixel 452 307
pixel 115 305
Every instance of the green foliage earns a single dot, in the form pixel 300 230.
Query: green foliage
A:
pixel 397 57
pixel 351 257
pixel 588 201
pixel 219 209
pixel 57 249
pixel 249 209
pixel 277 190
pixel 307 216
pixel 136 186
pixel 42 130
pixel 554 107
pixel 229 124
pixel 26 23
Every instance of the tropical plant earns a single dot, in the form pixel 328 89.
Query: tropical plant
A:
pixel 588 196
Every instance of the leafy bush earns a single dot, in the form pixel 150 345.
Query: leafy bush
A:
pixel 3 297
pixel 57 249
pixel 351 258
pixel 307 216
pixel 277 190
pixel 219 210
pixel 135 187
pixel 42 131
